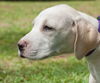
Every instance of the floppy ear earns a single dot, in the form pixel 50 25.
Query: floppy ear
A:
pixel 87 37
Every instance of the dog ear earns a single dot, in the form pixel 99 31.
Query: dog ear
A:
pixel 87 37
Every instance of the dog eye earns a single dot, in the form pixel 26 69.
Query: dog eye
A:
pixel 47 28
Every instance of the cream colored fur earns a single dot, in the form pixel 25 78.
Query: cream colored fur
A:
pixel 70 29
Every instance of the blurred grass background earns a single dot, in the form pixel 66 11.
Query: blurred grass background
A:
pixel 15 21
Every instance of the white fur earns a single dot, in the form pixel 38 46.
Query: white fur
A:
pixel 70 26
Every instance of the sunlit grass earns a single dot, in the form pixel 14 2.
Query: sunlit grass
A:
pixel 52 70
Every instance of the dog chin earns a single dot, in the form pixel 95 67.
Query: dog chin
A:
pixel 36 57
pixel 41 56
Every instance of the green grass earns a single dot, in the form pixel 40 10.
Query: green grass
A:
pixel 52 70
pixel 15 21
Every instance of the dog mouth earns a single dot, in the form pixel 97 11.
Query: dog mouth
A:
pixel 35 56
pixel 23 55
pixel 38 55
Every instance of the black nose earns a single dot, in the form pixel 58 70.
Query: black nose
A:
pixel 22 45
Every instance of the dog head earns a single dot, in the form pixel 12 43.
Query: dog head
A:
pixel 55 31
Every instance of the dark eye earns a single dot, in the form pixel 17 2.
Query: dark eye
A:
pixel 47 28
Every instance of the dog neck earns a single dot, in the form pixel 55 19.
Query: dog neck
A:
pixel 94 64
pixel 94 61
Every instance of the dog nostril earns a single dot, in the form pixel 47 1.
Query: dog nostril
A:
pixel 21 47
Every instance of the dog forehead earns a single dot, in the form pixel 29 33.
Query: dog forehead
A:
pixel 57 16
pixel 57 12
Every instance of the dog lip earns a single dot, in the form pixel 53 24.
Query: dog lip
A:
pixel 34 53
pixel 22 56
